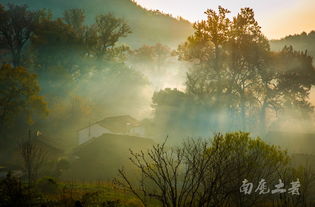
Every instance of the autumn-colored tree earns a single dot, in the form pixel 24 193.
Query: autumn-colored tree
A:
pixel 238 77
pixel 248 50
pixel 205 48
pixel 19 93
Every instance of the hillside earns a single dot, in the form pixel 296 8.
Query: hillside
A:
pixel 301 42
pixel 149 27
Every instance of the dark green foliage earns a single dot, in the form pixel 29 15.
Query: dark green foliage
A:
pixel 12 192
pixel 47 185
pixel 149 27
pixel 17 24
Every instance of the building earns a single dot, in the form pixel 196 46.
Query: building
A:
pixel 120 125
pixel 101 157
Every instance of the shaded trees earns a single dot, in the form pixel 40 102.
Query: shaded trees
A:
pixel 107 31
pixel 17 24
pixel 153 58
pixel 19 93
pixel 75 18
pixel 236 75
pixel 56 43
pixel 296 77
pixel 205 173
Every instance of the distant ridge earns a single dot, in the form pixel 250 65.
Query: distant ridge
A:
pixel 148 26
pixel 302 42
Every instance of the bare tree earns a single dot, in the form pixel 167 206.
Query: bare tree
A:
pixel 177 176
pixel 33 159
pixel 204 173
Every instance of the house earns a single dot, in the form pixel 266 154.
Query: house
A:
pixel 120 125
pixel 101 157
pixel 50 146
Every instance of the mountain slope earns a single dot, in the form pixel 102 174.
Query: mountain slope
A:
pixel 149 27
pixel 300 42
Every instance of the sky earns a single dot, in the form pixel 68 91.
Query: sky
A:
pixel 278 18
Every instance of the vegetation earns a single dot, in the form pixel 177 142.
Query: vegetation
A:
pixel 303 41
pixel 235 81
pixel 209 173
pixel 146 24
pixel 66 70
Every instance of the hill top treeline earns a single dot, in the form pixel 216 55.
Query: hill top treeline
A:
pixel 149 27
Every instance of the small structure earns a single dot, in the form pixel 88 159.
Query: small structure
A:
pixel 101 157
pixel 119 125
pixel 49 145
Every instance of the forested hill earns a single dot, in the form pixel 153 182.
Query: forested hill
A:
pixel 149 27
pixel 301 42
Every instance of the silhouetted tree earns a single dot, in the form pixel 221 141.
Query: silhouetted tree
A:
pixel 238 77
pixel 17 23
pixel 296 78
pixel 107 31
pixel 33 156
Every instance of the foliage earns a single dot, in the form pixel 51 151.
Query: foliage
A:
pixel 303 41
pixel 17 24
pixel 204 172
pixel 156 55
pixel 47 185
pixel 19 91
pixel 235 73
pixel 75 18
pixel 12 192
pixel 106 32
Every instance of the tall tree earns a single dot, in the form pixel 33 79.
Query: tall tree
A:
pixel 238 77
pixel 248 50
pixel 75 18
pixel 107 31
pixel 19 93
pixel 295 80
pixel 17 23
pixel 33 157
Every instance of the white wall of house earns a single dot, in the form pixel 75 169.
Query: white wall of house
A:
pixel 88 133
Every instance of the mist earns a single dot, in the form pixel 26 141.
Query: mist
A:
pixel 87 96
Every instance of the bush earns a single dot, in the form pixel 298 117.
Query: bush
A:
pixel 134 203
pixel 47 185
pixel 205 172
pixel 12 192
